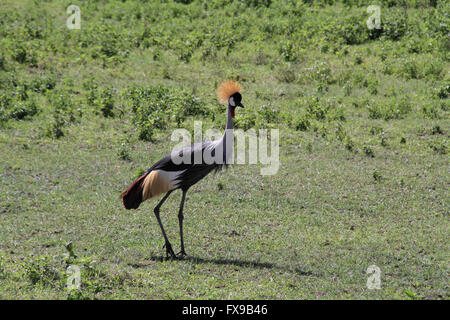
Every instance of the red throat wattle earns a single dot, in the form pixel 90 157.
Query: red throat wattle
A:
pixel 232 112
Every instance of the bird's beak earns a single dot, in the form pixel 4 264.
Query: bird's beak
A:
pixel 240 105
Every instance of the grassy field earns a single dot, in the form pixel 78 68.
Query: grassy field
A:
pixel 363 118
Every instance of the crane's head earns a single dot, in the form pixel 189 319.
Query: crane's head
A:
pixel 228 91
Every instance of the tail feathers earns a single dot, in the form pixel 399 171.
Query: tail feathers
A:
pixel 145 187
pixel 132 197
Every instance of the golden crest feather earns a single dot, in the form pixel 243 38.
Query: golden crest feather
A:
pixel 226 89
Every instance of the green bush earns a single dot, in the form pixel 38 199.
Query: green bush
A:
pixel 396 109
pixel 42 270
pixel 246 120
pixel 288 50
pixel 55 129
pixel 64 112
pixel 319 71
pixel 409 69
pixel 20 54
pixel 352 29
pixel 156 107
pixel 286 74
pixel 314 112
pixel 2 62
pixel 16 105
pixel 3 271
pixel 439 147
pixel 443 92
pixel 302 122
pixel 368 150
pixel 431 111
pixel 394 24
pixel 105 102
pixel 268 114
pixel 43 84
pixel 23 110
pixel 256 3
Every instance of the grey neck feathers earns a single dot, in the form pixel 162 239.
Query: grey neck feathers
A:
pixel 230 124
pixel 228 139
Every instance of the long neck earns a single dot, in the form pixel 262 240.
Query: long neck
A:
pixel 230 124
pixel 228 137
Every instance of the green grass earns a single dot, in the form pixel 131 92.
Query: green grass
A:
pixel 363 125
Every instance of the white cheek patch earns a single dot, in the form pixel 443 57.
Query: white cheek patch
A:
pixel 232 103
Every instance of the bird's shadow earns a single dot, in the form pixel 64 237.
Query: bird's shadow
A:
pixel 233 262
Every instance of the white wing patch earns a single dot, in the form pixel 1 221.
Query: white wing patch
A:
pixel 171 177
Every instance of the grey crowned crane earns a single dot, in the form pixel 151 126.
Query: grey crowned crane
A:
pixel 167 175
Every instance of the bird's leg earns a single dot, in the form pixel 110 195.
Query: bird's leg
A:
pixel 167 244
pixel 182 253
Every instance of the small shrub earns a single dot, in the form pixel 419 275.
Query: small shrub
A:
pixel 352 30
pixel 61 100
pixel 376 176
pixel 55 128
pixel 16 105
pixel 109 46
pixel 92 91
pixel 383 142
pixel 313 111
pixel 287 50
pixel 123 154
pixel 64 113
pixel 433 69
pixel 261 58
pixel 348 88
pixel 302 123
pixel 349 144
pixel 439 147
pixel 387 111
pixel 375 130
pixel 319 72
pixel 268 114
pixel 64 105
pixel 183 1
pixel 3 272
pixel 43 84
pixel 20 92
pixel 309 147
pixel 372 86
pixel 2 62
pixel 23 110
pixel 106 102
pixel 20 54
pixel 41 270
pixel 409 69
pixel 443 92
pixel 185 51
pixel 431 111
pixel 394 24
pixel 286 74
pixel 436 130
pixel 246 120
pixel 256 3
pixel 368 151
pixel 156 107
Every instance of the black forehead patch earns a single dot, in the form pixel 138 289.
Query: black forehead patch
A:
pixel 237 98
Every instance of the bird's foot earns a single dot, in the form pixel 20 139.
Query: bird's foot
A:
pixel 169 250
pixel 181 254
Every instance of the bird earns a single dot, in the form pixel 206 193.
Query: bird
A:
pixel 169 174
